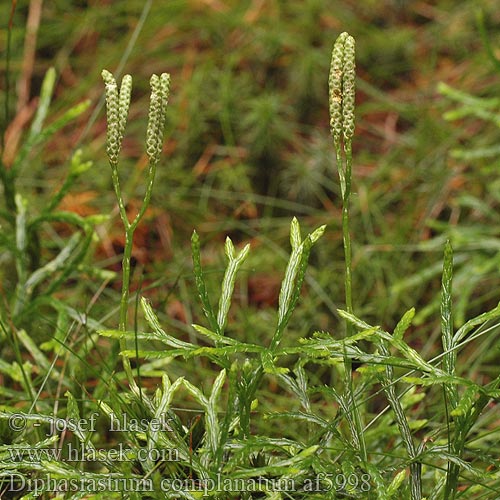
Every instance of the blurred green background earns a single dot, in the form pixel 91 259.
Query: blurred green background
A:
pixel 248 147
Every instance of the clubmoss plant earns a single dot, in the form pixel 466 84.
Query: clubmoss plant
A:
pixel 269 413
pixel 117 107
pixel 342 99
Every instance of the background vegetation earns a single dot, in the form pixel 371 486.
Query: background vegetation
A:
pixel 248 147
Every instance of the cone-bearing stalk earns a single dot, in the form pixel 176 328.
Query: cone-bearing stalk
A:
pixel 117 107
pixel 342 95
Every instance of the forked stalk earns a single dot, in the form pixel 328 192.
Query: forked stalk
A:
pixel 117 106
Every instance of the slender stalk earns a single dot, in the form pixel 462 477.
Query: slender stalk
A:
pixel 127 255
pixel 130 228
pixel 346 237
pixel 119 197
pixel 117 106
pixel 126 271
pixel 342 96
pixel 147 196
